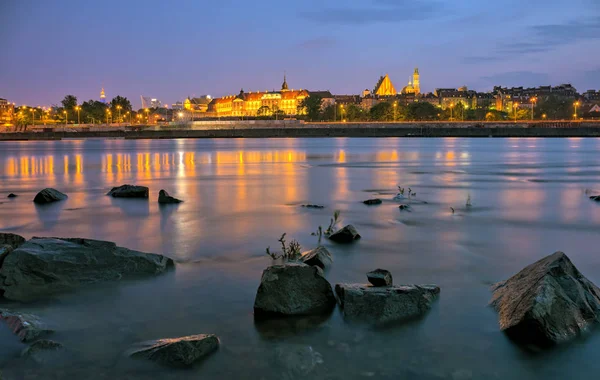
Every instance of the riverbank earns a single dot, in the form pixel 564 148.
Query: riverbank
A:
pixel 328 130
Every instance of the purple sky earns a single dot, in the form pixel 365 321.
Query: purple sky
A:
pixel 172 49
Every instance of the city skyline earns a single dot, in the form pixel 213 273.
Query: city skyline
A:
pixel 171 52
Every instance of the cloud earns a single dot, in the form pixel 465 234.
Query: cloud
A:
pixel 378 11
pixel 517 78
pixel 318 43
pixel 544 38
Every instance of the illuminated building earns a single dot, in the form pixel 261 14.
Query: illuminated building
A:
pixel 102 96
pixel 148 102
pixel 6 111
pixel 199 104
pixel 414 84
pixel 384 87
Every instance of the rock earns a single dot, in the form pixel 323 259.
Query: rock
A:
pixel 42 351
pixel 44 266
pixel 298 360
pixel 319 256
pixel 49 195
pixel 165 198
pixel 547 302
pixel 381 305
pixel 11 195
pixel 12 240
pixel 129 191
pixel 293 289
pixel 375 201
pixel 313 206
pixel 177 352
pixel 404 207
pixel 345 235
pixel 27 327
pixel 380 277
pixel 595 198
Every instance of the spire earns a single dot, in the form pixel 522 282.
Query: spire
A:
pixel 284 85
pixel 417 70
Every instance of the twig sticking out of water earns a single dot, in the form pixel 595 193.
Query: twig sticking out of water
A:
pixel 468 203
pixel 291 252
pixel 452 208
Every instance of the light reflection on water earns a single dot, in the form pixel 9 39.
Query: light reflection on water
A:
pixel 528 199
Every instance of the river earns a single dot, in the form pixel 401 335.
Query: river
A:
pixel 529 199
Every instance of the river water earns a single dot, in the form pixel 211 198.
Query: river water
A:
pixel 529 200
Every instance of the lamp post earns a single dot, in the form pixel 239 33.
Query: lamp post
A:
pixel 533 100
pixel 119 109
pixel 466 107
pixel 128 114
pixel 107 113
pixel 395 106
pixel 515 106
pixel 66 117
pixel 77 108
pixel 32 116
pixel 342 112
pixel 147 115
pixel 451 110
pixel 576 104
pixel 544 116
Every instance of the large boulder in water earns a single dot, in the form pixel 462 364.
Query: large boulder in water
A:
pixel 293 289
pixel 42 351
pixel 177 352
pixel 43 266
pixel 12 240
pixel 382 305
pixel 319 256
pixel 547 302
pixel 27 327
pixel 165 198
pixel 49 195
pixel 345 235
pixel 129 191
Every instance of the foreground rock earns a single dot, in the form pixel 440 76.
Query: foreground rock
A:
pixel 375 201
pixel 129 191
pixel 27 327
pixel 42 351
pixel 380 277
pixel 319 256
pixel 165 198
pixel 382 305
pixel 293 289
pixel 49 195
pixel 12 240
pixel 177 352
pixel 345 235
pixel 44 266
pixel 547 302
pixel 595 198
pixel 12 195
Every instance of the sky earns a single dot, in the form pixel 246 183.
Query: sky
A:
pixel 174 49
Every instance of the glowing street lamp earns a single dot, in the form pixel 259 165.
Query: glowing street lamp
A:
pixel 180 114
pixel 516 105
pixel 77 108
pixel 66 117
pixel 395 106
pixel 576 104
pixel 32 116
pixel 533 100
pixel 451 110
pixel 544 116
pixel 119 109
pixel 107 115
pixel 147 115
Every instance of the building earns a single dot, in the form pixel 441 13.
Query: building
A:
pixel 326 97
pixel 7 111
pixel 384 87
pixel 414 84
pixel 102 96
pixel 591 95
pixel 198 104
pixel 148 102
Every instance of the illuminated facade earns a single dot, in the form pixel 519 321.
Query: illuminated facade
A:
pixel 384 87
pixel 102 96
pixel 414 84
pixel 6 111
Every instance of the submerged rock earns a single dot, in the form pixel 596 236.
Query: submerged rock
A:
pixel 293 289
pixel 381 305
pixel 12 195
pixel 547 302
pixel 43 266
pixel 345 235
pixel 27 327
pixel 165 198
pixel 313 206
pixel 404 207
pixel 375 201
pixel 595 198
pixel 49 195
pixel 129 191
pixel 319 256
pixel 42 351
pixel 177 352
pixel 380 277
pixel 297 359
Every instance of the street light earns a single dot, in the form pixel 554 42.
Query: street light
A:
pixel 32 116
pixel 544 116
pixel 66 117
pixel 77 108
pixel 395 105
pixel 147 115
pixel 451 110
pixel 107 114
pixel 576 104
pixel 533 100
pixel 119 109
pixel 515 106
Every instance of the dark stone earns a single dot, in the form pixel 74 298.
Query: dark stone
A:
pixel 48 196
pixel 595 198
pixel 383 305
pixel 165 198
pixel 27 327
pixel 129 191
pixel 293 289
pixel 319 256
pixel 42 351
pixel 177 352
pixel 298 360
pixel 313 206
pixel 345 235
pixel 12 240
pixel 547 302
pixel 11 195
pixel 375 201
pixel 404 207
pixel 44 266
pixel 380 277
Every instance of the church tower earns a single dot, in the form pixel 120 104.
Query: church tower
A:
pixel 102 96
pixel 416 83
pixel 284 85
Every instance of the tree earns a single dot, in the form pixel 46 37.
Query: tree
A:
pixel 69 102
pixel 382 112
pixel 554 108
pixel 311 105
pixel 93 111
pixel 421 111
pixel 354 113
pixel 120 101
pixel 328 113
pixel 263 111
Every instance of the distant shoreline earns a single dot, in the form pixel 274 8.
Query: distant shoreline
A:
pixel 583 129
